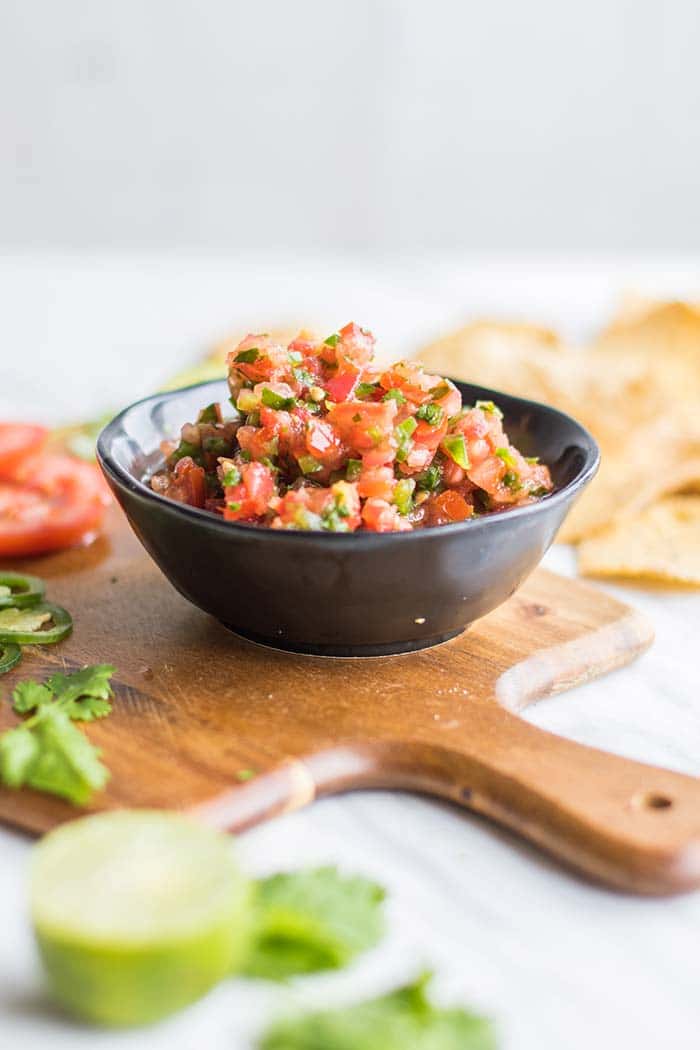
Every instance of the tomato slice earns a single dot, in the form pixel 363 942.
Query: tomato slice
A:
pixel 50 502
pixel 17 441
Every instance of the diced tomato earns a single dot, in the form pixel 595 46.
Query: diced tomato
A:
pixel 377 483
pixel 270 361
pixel 17 441
pixel 250 498
pixel 488 474
pixel 357 344
pixel 446 507
pixel 364 425
pixel 51 502
pixel 323 444
pixel 451 401
pixel 334 509
pixel 340 387
pixel 411 380
pixel 380 516
pixel 188 483
pixel 259 443
pixel 430 436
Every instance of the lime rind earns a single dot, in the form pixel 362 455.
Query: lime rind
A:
pixel 137 913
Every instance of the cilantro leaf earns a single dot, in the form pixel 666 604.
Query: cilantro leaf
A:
pixel 28 695
pixel 313 920
pixel 403 1019
pixel 18 749
pixel 48 753
pixel 85 694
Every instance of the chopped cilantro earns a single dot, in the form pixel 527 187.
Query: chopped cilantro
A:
pixel 404 1019
pixel 313 920
pixel 47 751
pixel 363 390
pixel 432 414
pixel 357 418
pixel 332 340
pixel 511 480
pixel 394 395
pixel 247 357
pixel 455 447
pixel 429 479
pixel 29 695
pixel 86 694
pixel 234 505
pixel 231 476
pixel 277 401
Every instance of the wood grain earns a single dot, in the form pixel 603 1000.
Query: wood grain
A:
pixel 198 708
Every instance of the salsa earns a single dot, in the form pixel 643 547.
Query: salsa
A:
pixel 318 437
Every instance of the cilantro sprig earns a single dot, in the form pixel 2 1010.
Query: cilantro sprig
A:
pixel 313 920
pixel 47 751
pixel 405 1018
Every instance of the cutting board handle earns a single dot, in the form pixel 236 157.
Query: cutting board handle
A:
pixel 624 823
pixel 629 825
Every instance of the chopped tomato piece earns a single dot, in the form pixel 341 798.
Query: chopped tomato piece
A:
pixel 51 502
pixel 380 516
pixel 364 425
pixel 448 506
pixel 341 386
pixel 249 499
pixel 377 483
pixel 17 441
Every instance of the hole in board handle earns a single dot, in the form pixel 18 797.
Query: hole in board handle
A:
pixel 652 800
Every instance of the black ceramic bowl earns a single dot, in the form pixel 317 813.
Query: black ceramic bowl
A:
pixel 335 594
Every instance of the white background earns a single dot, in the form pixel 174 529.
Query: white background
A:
pixel 364 126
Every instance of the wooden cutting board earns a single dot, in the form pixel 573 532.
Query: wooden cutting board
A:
pixel 199 710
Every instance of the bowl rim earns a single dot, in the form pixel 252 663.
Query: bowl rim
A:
pixel 562 495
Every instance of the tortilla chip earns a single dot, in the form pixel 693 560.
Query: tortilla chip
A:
pixel 650 326
pixel 662 544
pixel 637 390
pixel 516 358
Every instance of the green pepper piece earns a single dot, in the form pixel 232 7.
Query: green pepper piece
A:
pixel 25 590
pixel 62 626
pixel 455 447
pixel 10 655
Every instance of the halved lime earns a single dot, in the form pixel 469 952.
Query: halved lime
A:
pixel 137 913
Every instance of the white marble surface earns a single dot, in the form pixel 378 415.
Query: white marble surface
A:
pixel 559 963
